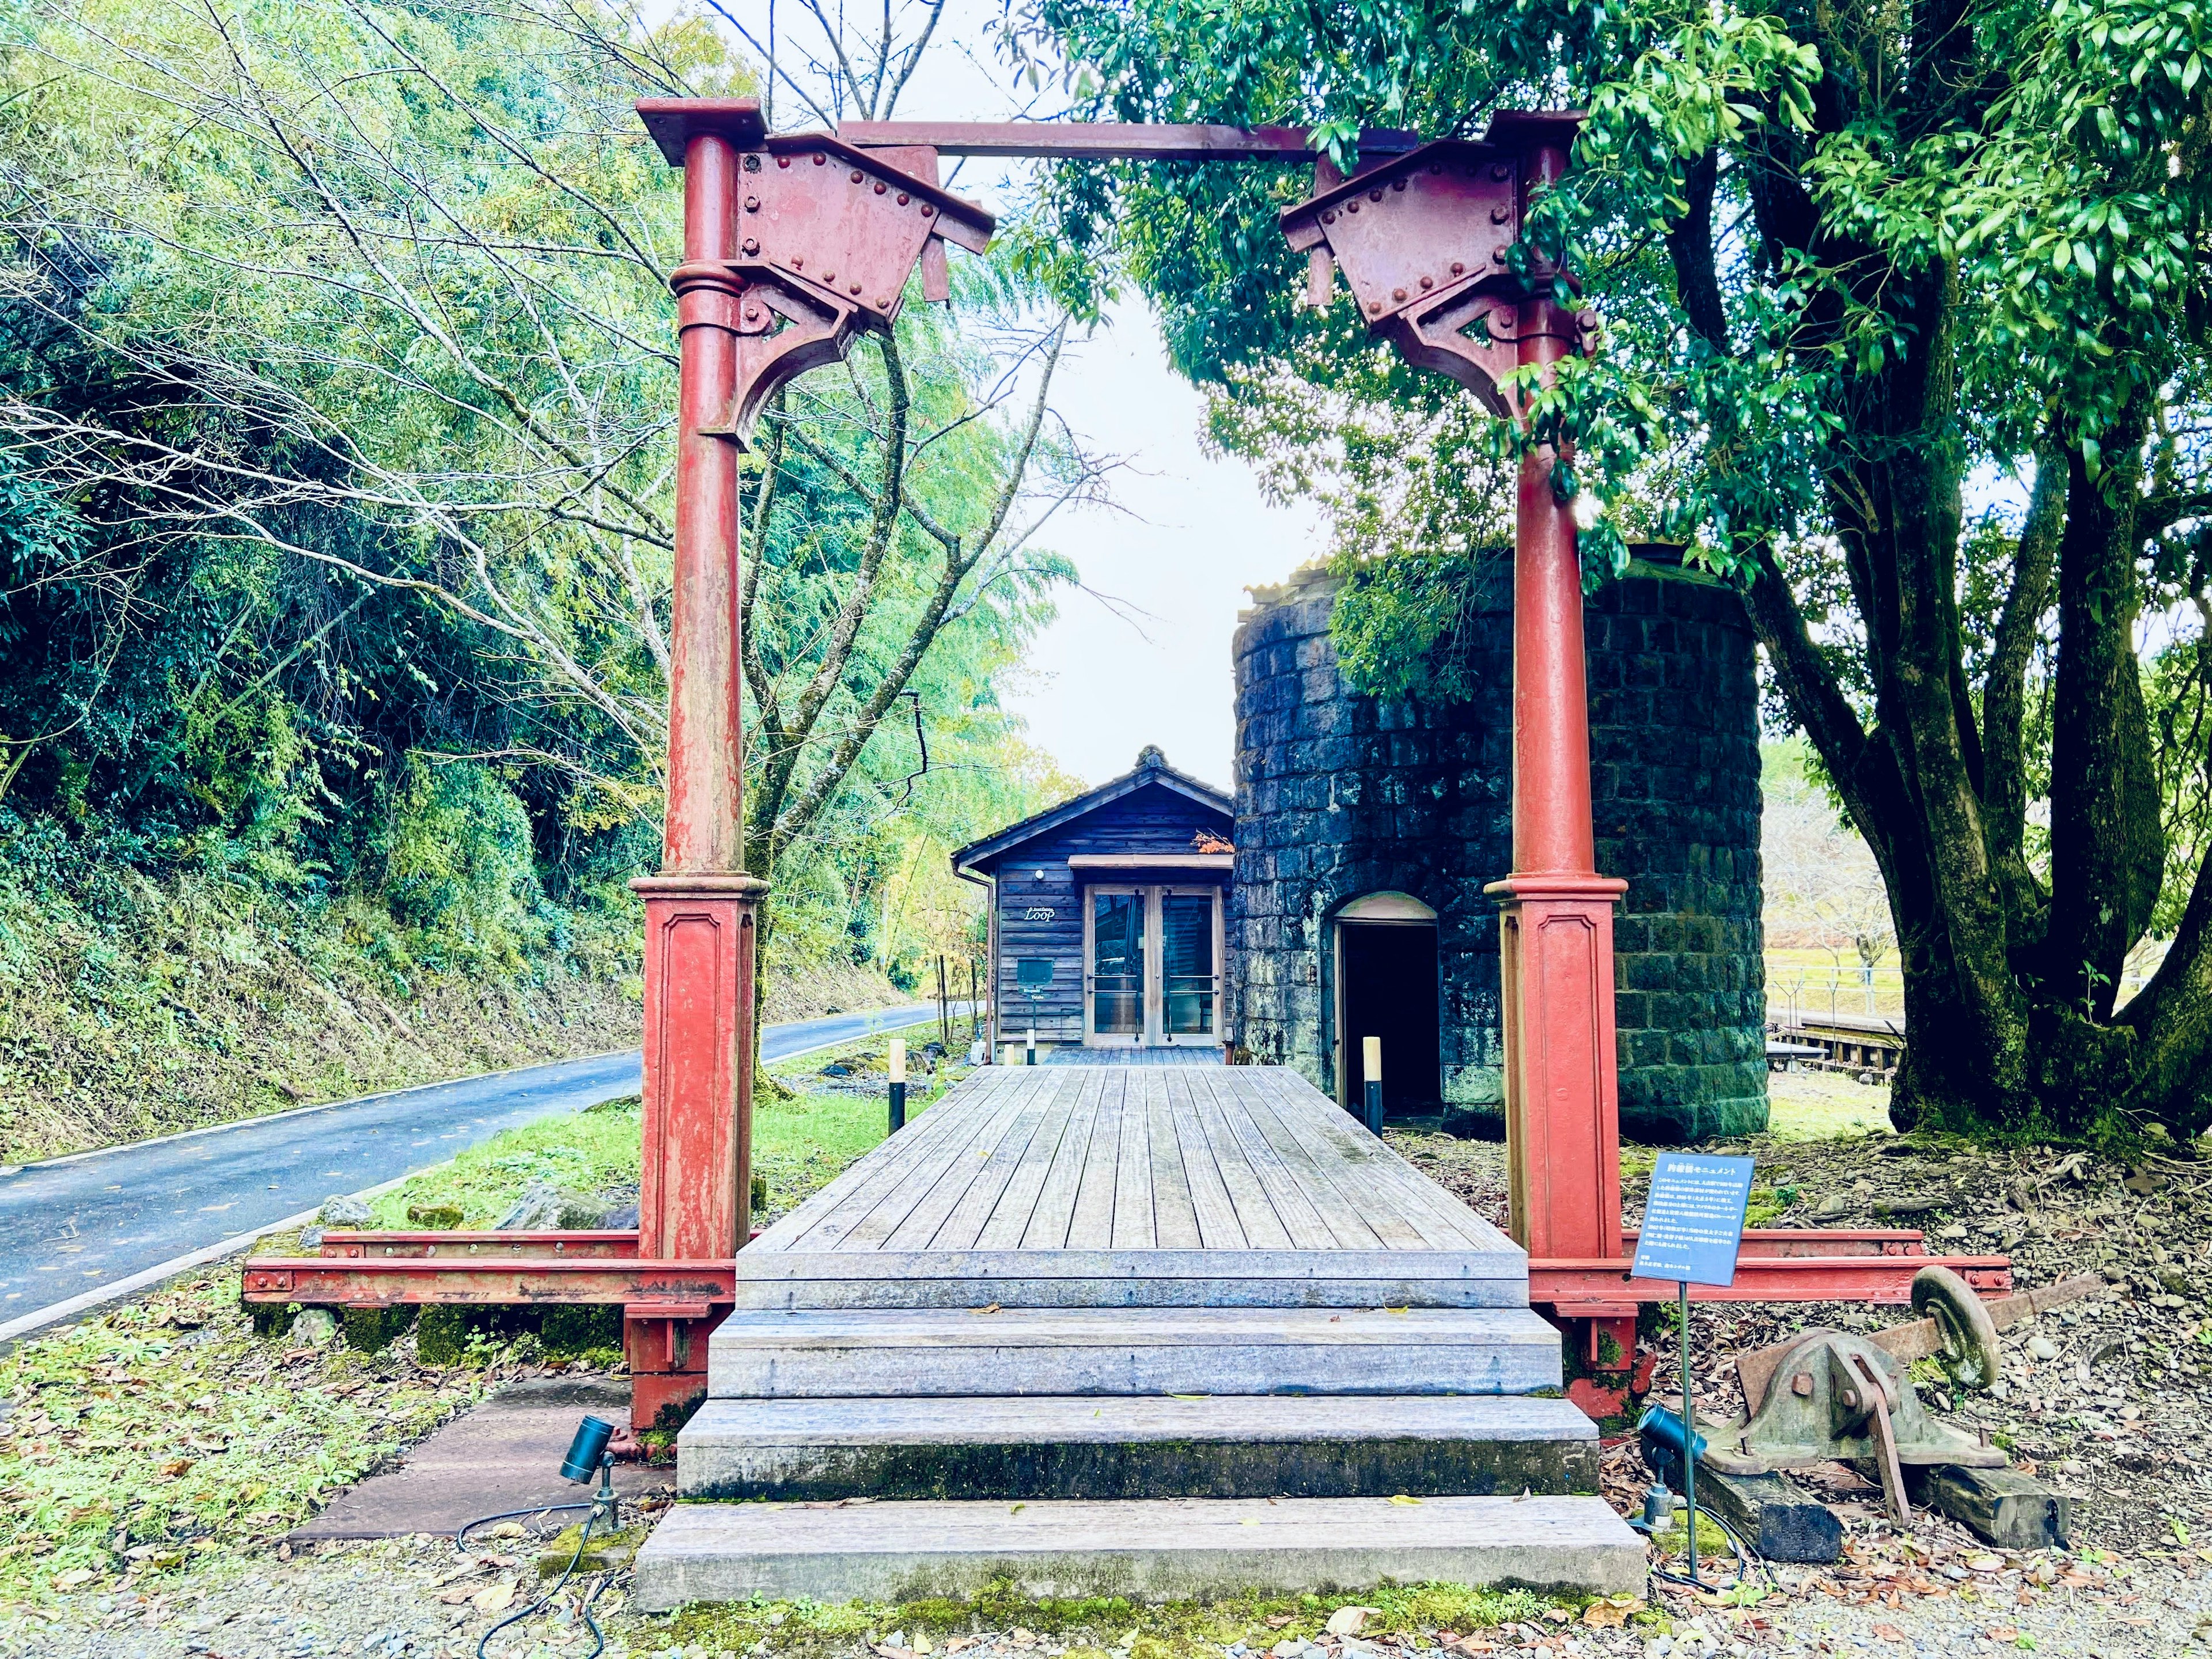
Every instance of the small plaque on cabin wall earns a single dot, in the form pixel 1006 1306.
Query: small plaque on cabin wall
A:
pixel 1033 973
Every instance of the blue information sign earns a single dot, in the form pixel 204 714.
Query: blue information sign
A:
pixel 1694 1220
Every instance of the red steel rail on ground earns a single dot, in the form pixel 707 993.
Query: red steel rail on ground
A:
pixel 795 244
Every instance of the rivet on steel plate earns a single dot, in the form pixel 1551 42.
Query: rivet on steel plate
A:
pixel 1328 218
pixel 819 160
pixel 1428 282
pixel 1375 306
pixel 1458 269
pixel 827 275
pixel 1397 184
pixel 926 209
pixel 1374 194
pixel 856 288
pixel 752 204
pixel 880 186
pixel 1352 207
pixel 856 175
pixel 783 160
pixel 1498 256
pixel 1501 171
pixel 799 262
pixel 883 302
pixel 903 198
pixel 1397 292
pixel 1498 215
pixel 751 244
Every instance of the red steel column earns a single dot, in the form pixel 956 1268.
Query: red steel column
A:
pixel 699 912
pixel 1562 1110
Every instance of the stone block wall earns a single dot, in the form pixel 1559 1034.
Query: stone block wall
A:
pixel 1339 795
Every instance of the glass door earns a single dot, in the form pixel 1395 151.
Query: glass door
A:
pixel 1187 956
pixel 1114 1008
pixel 1152 959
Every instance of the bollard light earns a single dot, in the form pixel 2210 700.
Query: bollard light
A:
pixel 1371 1059
pixel 1032 1060
pixel 1012 1049
pixel 898 1085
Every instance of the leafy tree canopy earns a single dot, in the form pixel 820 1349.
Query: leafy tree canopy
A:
pixel 1869 272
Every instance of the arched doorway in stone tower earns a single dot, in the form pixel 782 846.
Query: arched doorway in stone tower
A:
pixel 1385 963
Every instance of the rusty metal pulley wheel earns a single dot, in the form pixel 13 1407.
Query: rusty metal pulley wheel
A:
pixel 1969 1335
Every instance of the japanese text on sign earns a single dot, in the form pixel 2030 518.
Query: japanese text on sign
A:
pixel 1694 1220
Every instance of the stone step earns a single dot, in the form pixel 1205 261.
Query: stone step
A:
pixel 1143 1446
pixel 1149 1550
pixel 1131 1351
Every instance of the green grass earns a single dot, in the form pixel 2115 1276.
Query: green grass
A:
pixel 800 1142
pixel 1176 1630
pixel 582 1153
pixel 1825 1106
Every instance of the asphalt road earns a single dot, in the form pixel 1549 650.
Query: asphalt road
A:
pixel 83 1225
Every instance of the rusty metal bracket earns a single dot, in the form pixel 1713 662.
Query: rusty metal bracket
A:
pixel 1424 240
pixel 825 237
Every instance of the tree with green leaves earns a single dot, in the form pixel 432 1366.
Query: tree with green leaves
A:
pixel 1905 312
pixel 371 301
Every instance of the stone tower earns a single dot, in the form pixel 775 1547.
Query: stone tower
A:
pixel 1355 817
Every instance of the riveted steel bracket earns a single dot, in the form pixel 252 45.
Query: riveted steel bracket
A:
pixel 1423 240
pixel 826 236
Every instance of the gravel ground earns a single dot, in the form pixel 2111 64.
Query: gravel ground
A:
pixel 414 1599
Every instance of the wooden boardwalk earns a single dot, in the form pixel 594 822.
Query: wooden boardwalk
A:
pixel 1046 1187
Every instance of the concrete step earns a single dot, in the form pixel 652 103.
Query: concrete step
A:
pixel 1143 1446
pixel 1153 1550
pixel 1131 1351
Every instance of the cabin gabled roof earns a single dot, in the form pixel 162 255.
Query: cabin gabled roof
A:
pixel 1151 768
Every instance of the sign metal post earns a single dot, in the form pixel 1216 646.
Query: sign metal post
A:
pixel 1693 1231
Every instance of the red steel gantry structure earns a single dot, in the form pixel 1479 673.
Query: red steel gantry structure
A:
pixel 793 244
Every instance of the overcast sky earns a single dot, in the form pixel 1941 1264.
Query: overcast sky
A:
pixel 1187 534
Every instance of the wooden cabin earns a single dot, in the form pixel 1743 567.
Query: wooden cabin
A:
pixel 1106 914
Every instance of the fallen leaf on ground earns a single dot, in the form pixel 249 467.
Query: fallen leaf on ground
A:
pixel 495 1598
pixel 1347 1622
pixel 1890 1633
pixel 1605 1615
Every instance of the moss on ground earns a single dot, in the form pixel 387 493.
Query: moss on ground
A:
pixel 1091 1626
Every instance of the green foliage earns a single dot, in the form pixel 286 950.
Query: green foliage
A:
pixel 1859 270
pixel 336 387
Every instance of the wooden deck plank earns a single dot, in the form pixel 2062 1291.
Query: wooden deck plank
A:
pixel 1174 1215
pixel 1255 1215
pixel 1211 1208
pixel 1131 1187
pixel 1134 1225
pixel 1002 1137
pixel 1090 1224
pixel 1442 1221
pixel 964 1221
pixel 1010 1214
pixel 1054 1210
pixel 1351 1181
pixel 979 1114
pixel 1288 1199
pixel 830 1213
